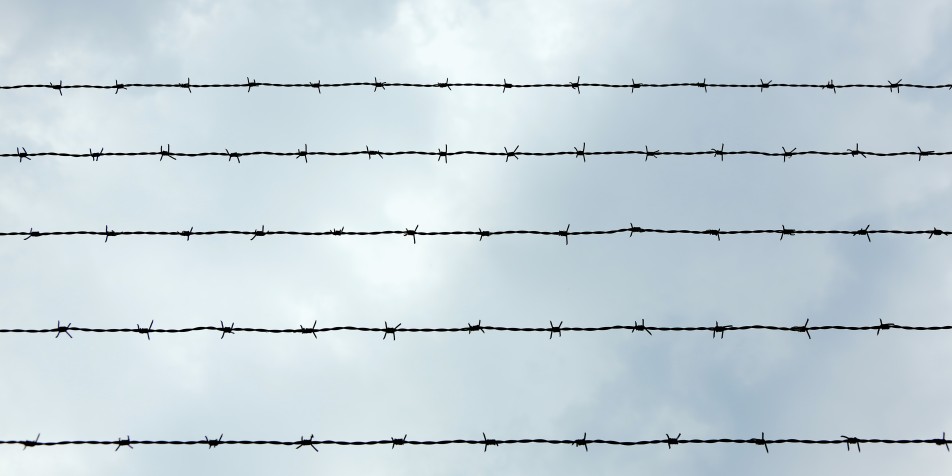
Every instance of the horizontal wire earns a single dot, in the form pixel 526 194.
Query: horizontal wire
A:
pixel 414 232
pixel 552 329
pixel 443 154
pixel 576 85
pixel 485 442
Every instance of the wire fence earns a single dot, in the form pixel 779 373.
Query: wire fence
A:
pixel 443 154
pixel 392 331
pixel 415 232
pixel 485 442
pixel 505 85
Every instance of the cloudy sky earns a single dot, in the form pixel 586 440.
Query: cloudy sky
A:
pixel 354 386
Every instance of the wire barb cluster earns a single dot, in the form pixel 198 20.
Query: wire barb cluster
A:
pixel 479 327
pixel 485 442
pixel 414 232
pixel 442 154
pixel 575 85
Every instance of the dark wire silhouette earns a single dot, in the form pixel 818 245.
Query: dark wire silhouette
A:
pixel 442 154
pixel 392 331
pixel 485 442
pixel 575 85
pixel 414 232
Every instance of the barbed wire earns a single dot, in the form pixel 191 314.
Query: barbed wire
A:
pixel 388 330
pixel 442 154
pixel 415 232
pixel 485 442
pixel 576 85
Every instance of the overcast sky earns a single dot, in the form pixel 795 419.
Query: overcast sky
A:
pixel 353 386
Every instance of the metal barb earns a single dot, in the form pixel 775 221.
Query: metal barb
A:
pixel 787 153
pixel 23 155
pixel 29 444
pixel 719 328
pixel 511 154
pixel 894 85
pixel 580 153
pixel 118 86
pixel 632 229
pixel 851 440
pixel 31 234
pixel 213 443
pixel 804 328
pixel 306 442
pixel 924 152
pixel 61 329
pixel 311 330
pixel 145 330
pixel 719 152
pixel 702 84
pixel 583 442
pixel 565 233
pixel 786 231
pixel 478 327
pixel 120 443
pixel 233 155
pixel 187 234
pixel 337 232
pixel 830 85
pixel 555 329
pixel 445 84
pixel 398 441
pixel 258 233
pixel 716 233
pixel 226 330
pixel 487 442
pixel 387 330
pixel 941 442
pixel 58 87
pixel 764 85
pixel 379 84
pixel 762 441
pixel 641 327
pixel 166 152
pixel 109 233
pixel 95 155
pixel 483 234
pixel 505 85
pixel 575 85
pixel 672 441
pixel 301 153
pixel 251 83
pixel 863 232
pixel 187 85
pixel 413 232
pixel 371 153
pixel 649 153
pixel 634 86
pixel 443 153
pixel 884 326
pixel 935 231
pixel 318 86
pixel 856 151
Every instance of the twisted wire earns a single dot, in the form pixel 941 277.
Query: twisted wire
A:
pixel 479 327
pixel 393 442
pixel 505 85
pixel 443 154
pixel 865 232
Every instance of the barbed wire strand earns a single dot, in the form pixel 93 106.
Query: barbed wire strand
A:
pixel 442 154
pixel 576 85
pixel 415 232
pixel 392 331
pixel 485 442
